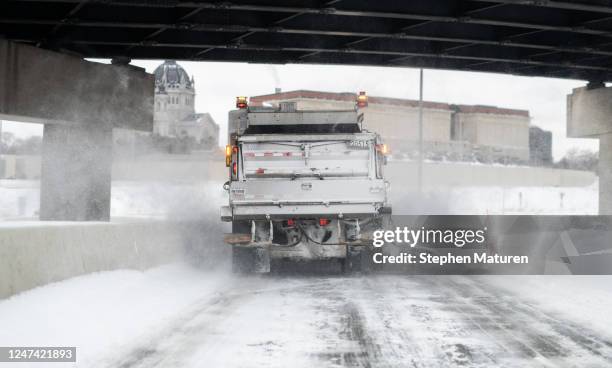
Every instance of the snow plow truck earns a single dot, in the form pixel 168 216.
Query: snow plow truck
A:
pixel 303 185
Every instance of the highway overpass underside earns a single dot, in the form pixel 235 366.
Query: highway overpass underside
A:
pixel 566 39
pixel 546 38
pixel 79 103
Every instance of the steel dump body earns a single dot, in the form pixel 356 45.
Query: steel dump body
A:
pixel 301 181
pixel 305 175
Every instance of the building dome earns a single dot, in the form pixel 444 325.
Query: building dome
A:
pixel 171 75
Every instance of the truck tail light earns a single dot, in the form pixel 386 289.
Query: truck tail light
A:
pixel 241 102
pixel 228 155
pixel 323 222
pixel 229 152
pixel 382 148
pixel 362 99
pixel 235 169
pixel 291 222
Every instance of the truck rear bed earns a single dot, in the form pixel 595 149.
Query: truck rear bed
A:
pixel 302 175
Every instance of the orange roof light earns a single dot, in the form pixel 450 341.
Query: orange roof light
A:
pixel 228 155
pixel 241 102
pixel 362 99
pixel 382 148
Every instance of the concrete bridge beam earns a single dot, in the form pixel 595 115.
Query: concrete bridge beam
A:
pixel 79 102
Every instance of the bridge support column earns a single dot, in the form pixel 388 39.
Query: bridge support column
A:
pixel 605 174
pixel 589 115
pixel 76 173
pixel 79 102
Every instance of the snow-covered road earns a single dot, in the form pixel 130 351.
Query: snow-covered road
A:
pixel 178 316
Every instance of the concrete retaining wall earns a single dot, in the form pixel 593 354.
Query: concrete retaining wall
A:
pixel 400 173
pixel 442 175
pixel 38 253
pixel 201 167
pixel 196 168
pixel 20 167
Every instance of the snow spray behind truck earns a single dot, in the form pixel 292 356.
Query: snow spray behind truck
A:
pixel 303 185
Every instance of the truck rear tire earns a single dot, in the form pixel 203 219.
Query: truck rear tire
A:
pixel 249 260
pixel 355 261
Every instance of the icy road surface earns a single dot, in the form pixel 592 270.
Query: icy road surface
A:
pixel 177 316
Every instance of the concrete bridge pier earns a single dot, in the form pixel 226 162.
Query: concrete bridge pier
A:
pixel 589 115
pixel 79 102
pixel 76 173
pixel 605 173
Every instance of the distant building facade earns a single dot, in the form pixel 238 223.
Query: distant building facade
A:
pixel 483 133
pixel 493 132
pixel 540 146
pixel 175 114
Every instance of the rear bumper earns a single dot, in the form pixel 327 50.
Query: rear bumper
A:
pixel 271 212
pixel 302 251
pixel 309 252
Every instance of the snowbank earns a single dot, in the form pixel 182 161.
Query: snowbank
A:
pixel 101 313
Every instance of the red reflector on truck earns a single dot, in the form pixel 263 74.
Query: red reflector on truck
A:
pixel 323 222
pixel 291 222
pixel 260 171
pixel 235 168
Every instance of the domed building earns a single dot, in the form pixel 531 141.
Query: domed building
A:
pixel 175 114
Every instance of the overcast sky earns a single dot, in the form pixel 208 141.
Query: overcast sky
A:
pixel 217 85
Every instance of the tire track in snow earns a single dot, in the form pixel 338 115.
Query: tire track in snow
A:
pixel 374 321
pixel 202 325
pixel 155 351
pixel 391 327
pixel 434 337
pixel 501 327
pixel 581 336
pixel 529 333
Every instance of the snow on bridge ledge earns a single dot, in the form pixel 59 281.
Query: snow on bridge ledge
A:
pixel 36 253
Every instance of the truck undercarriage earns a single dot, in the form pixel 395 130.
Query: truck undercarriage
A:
pixel 256 243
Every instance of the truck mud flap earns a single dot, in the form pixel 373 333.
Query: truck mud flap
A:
pixel 247 260
pixel 262 260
